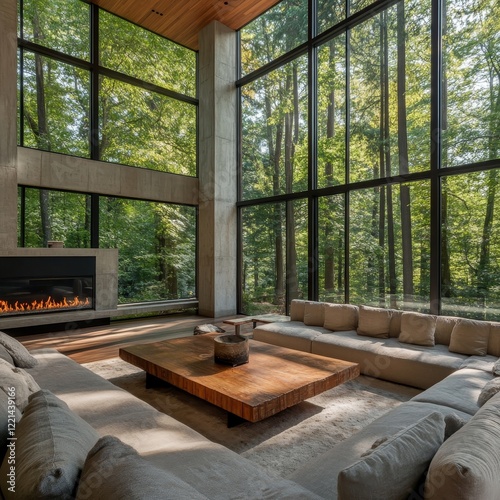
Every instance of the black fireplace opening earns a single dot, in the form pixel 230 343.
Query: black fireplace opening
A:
pixel 33 285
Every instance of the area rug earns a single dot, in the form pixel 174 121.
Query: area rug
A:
pixel 283 442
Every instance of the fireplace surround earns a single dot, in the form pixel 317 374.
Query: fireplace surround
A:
pixel 61 273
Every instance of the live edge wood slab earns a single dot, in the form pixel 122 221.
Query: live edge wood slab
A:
pixel 275 377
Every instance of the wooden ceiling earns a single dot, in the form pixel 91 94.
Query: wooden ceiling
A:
pixel 181 20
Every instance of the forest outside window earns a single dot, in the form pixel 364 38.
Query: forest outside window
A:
pixel 399 214
pixel 156 241
pixel 86 96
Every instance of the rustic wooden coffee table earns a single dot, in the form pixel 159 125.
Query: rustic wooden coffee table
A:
pixel 275 377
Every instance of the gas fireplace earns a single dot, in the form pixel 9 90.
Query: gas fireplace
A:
pixel 32 285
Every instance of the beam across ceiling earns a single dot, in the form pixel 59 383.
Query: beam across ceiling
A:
pixel 182 20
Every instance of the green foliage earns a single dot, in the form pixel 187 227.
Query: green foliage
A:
pixel 373 113
pixel 156 242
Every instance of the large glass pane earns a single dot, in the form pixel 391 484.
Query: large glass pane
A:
pixel 279 30
pixel 390 93
pixel 470 255
pixel 389 246
pixel 297 276
pixel 62 25
pixel 137 52
pixel 275 262
pixel 157 248
pixel 331 231
pixel 55 216
pixel 56 106
pixel 274 132
pixel 146 129
pixel 471 83
pixel 331 113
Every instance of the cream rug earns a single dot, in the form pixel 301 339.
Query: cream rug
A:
pixel 283 442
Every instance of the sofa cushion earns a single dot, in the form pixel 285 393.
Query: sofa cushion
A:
pixel 390 359
pixel 496 368
pixel 488 391
pixel 444 327
pixel 394 468
pixel 494 340
pixel 292 334
pixel 417 329
pixel 374 322
pixel 19 353
pixel 459 391
pixel 468 464
pixel 314 313
pixel 5 355
pixel 484 363
pixel 48 428
pixel 470 337
pixel 23 383
pixel 115 470
pixel 297 310
pixel 341 317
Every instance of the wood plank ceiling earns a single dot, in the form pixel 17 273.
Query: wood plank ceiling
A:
pixel 181 20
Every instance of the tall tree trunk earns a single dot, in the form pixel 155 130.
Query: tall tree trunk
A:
pixel 291 138
pixel 404 190
pixel 275 158
pixel 329 226
pixel 391 253
pixel 445 250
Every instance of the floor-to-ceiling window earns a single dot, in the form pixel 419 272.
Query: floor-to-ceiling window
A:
pixel 370 155
pixel 95 86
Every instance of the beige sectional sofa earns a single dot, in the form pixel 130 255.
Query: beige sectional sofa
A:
pixel 465 464
pixel 382 356
pixel 388 459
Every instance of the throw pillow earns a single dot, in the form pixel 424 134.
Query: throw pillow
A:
pixel 4 354
pixel 115 470
pixel 470 337
pixel 21 381
pixel 394 468
pixel 314 313
pixel 51 447
pixel 468 463
pixel 496 368
pixel 297 310
pixel 417 329
pixel 374 322
pixel 453 423
pixel 19 353
pixel 488 391
pixel 341 317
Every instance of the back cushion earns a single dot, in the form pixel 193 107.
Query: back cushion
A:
pixel 494 343
pixel 297 310
pixel 395 325
pixel 444 327
pixel 341 317
pixel 314 313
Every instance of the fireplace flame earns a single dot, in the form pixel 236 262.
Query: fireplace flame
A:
pixel 38 305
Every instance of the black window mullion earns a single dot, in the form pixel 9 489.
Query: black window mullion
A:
pixel 94 83
pixel 436 133
pixel 347 158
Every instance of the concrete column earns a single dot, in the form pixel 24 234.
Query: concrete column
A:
pixel 217 171
pixel 8 130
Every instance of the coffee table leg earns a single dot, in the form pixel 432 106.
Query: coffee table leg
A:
pixel 234 420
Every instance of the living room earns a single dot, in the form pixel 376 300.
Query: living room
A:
pixel 198 164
